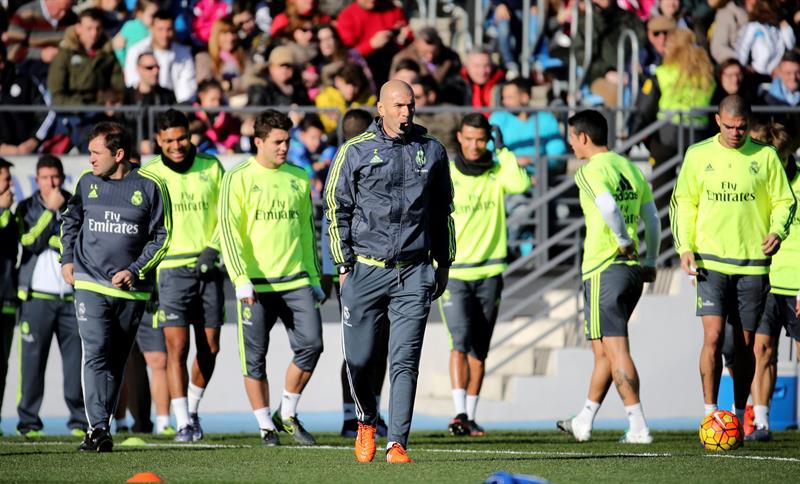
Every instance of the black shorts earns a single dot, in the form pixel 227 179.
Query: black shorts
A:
pixel 609 298
pixel 738 298
pixel 469 310
pixel 779 312
pixel 150 337
pixel 183 298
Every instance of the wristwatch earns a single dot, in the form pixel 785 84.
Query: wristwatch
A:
pixel 343 269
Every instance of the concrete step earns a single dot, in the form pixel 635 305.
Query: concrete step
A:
pixel 436 384
pixel 543 333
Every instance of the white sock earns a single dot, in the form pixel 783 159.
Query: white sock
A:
pixel 180 407
pixel 709 408
pixel 636 421
pixel 289 404
pixel 349 411
pixel 762 415
pixel 460 400
pixel 740 414
pixel 195 394
pixel 588 412
pixel 264 419
pixel 162 422
pixel 389 445
pixel 472 404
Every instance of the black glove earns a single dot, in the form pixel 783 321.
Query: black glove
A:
pixel 206 266
pixel 497 137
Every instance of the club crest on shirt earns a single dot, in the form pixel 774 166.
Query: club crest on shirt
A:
pixel 754 167
pixel 421 158
pixel 136 198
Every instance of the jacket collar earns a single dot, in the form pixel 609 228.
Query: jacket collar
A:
pixel 376 127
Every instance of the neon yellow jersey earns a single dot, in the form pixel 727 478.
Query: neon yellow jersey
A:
pixel 194 195
pixel 784 273
pixel 267 227
pixel 611 173
pixel 725 203
pixel 480 216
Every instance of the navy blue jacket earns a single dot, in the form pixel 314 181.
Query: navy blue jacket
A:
pixel 390 200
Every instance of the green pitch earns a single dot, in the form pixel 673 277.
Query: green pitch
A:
pixel 674 457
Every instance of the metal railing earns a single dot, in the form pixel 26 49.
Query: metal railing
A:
pixel 627 35
pixel 576 78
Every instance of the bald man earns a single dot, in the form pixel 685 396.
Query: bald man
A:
pixel 388 202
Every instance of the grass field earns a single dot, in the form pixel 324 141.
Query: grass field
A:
pixel 674 457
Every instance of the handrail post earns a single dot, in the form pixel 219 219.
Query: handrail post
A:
pixel 527 45
pixel 478 36
pixel 621 117
pixel 575 81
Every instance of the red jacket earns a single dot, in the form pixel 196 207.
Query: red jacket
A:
pixel 356 26
pixel 482 95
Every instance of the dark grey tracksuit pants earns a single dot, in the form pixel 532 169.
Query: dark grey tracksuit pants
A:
pixel 108 327
pixel 8 318
pixel 39 320
pixel 368 294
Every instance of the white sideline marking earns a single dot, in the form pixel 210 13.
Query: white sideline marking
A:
pixel 448 451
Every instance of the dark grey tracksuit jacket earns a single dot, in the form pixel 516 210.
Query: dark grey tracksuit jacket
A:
pixel 9 236
pixel 388 204
pixel 42 316
pixel 110 226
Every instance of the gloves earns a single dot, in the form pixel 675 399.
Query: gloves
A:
pixel 497 136
pixel 206 266
pixel 319 294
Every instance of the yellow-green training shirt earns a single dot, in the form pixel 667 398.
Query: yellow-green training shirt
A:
pixel 267 227
pixel 194 195
pixel 725 203
pixel 784 273
pixel 480 216
pixel 611 173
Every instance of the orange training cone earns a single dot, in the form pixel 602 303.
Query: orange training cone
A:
pixel 145 477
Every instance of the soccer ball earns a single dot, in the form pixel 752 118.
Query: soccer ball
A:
pixel 721 431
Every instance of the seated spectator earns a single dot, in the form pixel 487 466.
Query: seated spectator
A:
pixel 673 10
pixel 34 33
pixel 297 13
pixel 245 23
pixel 732 79
pixel 135 29
pixel 226 59
pixel 333 55
pixel 282 85
pixel 20 133
pixel 785 91
pixel 478 82
pixel 765 38
pixel 350 90
pixel 378 30
pixel 520 129
pixel 204 14
pixel 309 151
pixel 729 21
pixel 147 92
pixel 221 131
pixel 431 54
pixel 300 37
pixel 85 63
pixel 506 17
pixel 652 54
pixel 114 14
pixel 407 70
pixel 609 23
pixel 177 71
pixel 441 125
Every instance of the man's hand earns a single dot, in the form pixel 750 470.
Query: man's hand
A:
pixel 54 200
pixel 440 282
pixel 771 244
pixel 122 279
pixel 66 271
pixel 501 13
pixel 342 277
pixel 248 300
pixel 629 252
pixel 797 308
pixel 6 199
pixel 687 263
pixel 326 283
pixel 48 54
pixel 206 266
pixel 380 39
pixel 648 274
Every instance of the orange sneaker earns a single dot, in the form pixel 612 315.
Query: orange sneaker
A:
pixel 365 442
pixel 749 420
pixel 397 455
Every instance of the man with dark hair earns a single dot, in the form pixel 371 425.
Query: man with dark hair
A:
pixel 614 196
pixel 355 122
pixel 266 202
pixel 481 181
pixel 310 151
pixel 175 61
pixel 148 92
pixel 85 64
pixel 434 58
pixel 406 70
pixel 731 207
pixel 388 202
pixel 442 125
pixel 189 281
pixel 9 233
pixel 114 233
pixel 47 303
